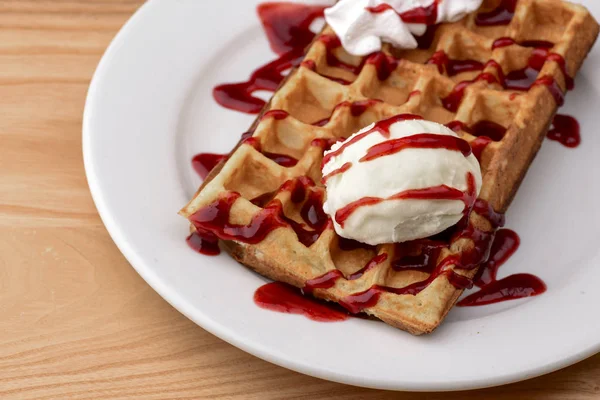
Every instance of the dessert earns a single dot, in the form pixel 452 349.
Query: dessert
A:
pixel 496 78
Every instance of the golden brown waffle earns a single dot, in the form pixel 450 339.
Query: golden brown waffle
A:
pixel 310 95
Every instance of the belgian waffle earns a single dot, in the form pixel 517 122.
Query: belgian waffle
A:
pixel 263 201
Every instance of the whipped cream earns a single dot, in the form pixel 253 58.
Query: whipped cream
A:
pixel 362 31
pixel 351 180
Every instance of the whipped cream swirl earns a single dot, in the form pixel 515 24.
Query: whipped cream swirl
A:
pixel 362 31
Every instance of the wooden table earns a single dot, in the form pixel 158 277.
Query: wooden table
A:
pixel 76 321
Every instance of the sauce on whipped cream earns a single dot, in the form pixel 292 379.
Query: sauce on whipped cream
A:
pixel 441 192
pixel 419 15
pixel 364 25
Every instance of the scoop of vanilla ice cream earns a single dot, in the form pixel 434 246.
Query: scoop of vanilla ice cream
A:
pixel 362 31
pixel 396 220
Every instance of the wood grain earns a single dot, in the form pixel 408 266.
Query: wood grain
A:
pixel 76 321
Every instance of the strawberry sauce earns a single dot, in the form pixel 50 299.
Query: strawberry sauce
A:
pixel 512 287
pixel 419 15
pixel 281 297
pixel 418 141
pixel 203 163
pixel 287 26
pixel 382 127
pixel 441 192
pixel 565 130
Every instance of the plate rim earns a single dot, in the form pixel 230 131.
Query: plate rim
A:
pixel 186 308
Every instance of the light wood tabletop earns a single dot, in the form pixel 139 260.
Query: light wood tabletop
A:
pixel 76 321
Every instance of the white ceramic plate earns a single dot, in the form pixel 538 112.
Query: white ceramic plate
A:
pixel 150 109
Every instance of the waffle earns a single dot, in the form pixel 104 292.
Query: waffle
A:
pixel 334 94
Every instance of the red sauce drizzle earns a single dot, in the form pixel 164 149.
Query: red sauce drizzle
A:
pixel 506 41
pixel 324 144
pixel 357 109
pixel 553 88
pixel 312 211
pixel 246 135
pixel 499 72
pixel 453 67
pixel 213 219
pixel 458 126
pixel 281 159
pixel 414 93
pixel 501 15
pixel 277 115
pixel 505 244
pixel 490 129
pixel 322 122
pixel 502 42
pixel 560 60
pixel 523 79
pixel 281 297
pixel 384 64
pixel 287 24
pixel 335 172
pixel 425 41
pixel 453 100
pixel 204 243
pixel 420 15
pixel 440 59
pixel 203 163
pixel 512 287
pixel 441 192
pixel 515 286
pixel 417 255
pixel 478 145
pixel 310 64
pixel 544 44
pixel 565 130
pixel 382 127
pixel 418 141
pixel 240 96
pixel 287 27
pixel 297 188
pixel 332 42
pixel 370 265
pixel 262 200
pixel 328 279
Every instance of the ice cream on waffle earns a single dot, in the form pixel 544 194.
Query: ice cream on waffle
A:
pixel 501 71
